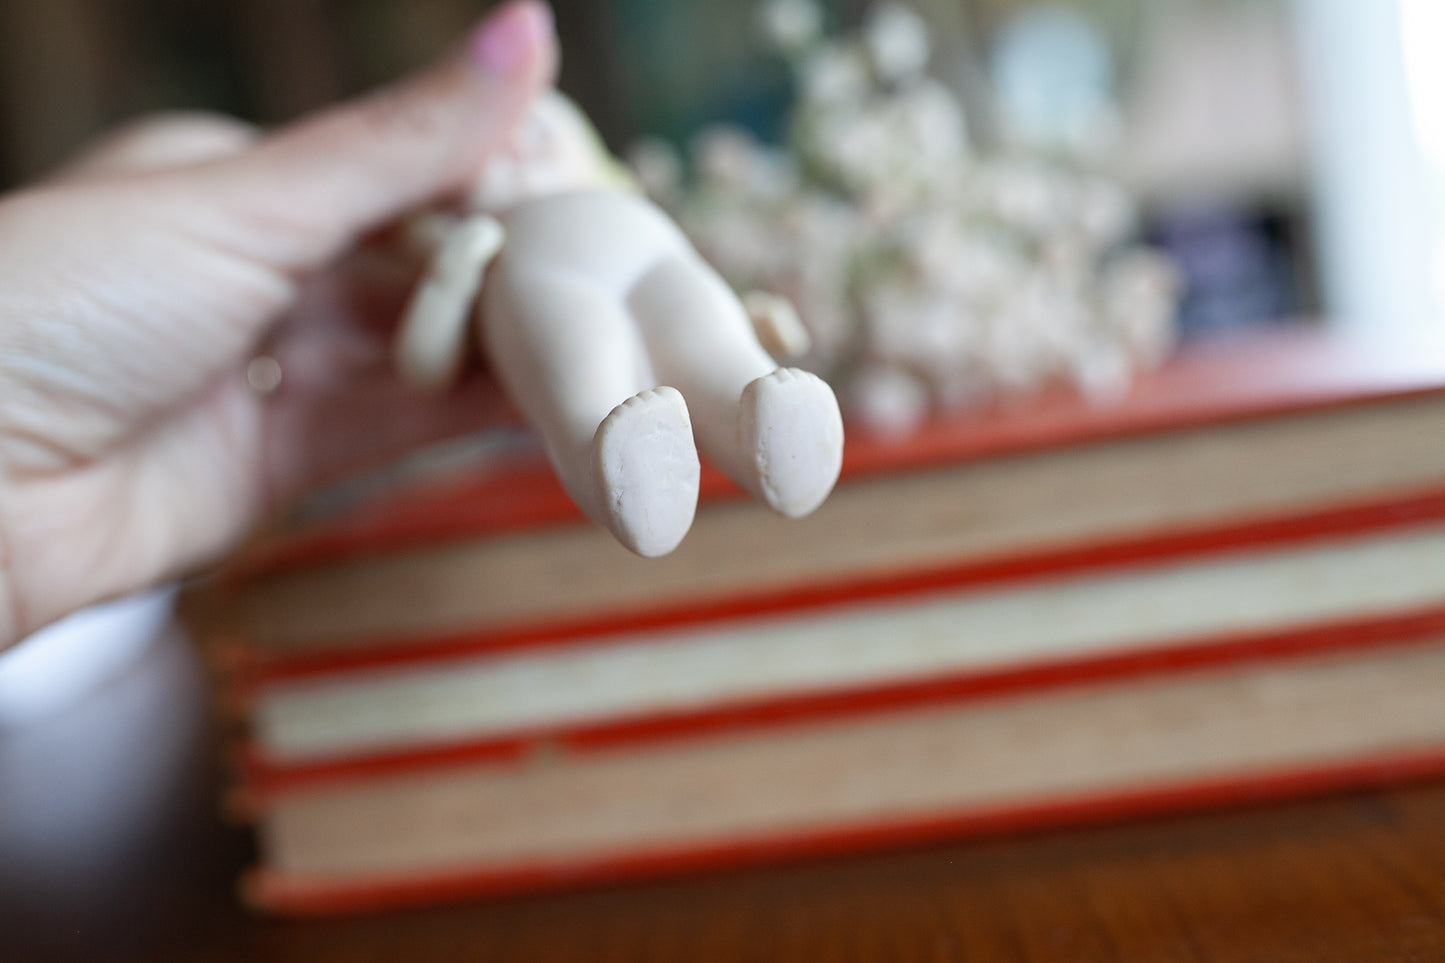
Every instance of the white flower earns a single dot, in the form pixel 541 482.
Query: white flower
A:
pixel 725 155
pixel 835 74
pixel 897 41
pixel 1105 213
pixel 1071 263
pixel 1139 294
pixel 931 122
pixel 930 278
pixel 933 246
pixel 1011 353
pixel 820 293
pixel 986 267
pixel 950 258
pixel 743 247
pixel 887 399
pixel 890 313
pixel 856 146
pixel 657 166
pixel 823 222
pixel 1026 196
pixel 771 174
pixel 1101 371
pixel 791 24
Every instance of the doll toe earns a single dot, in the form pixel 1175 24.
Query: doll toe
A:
pixel 646 471
pixel 790 428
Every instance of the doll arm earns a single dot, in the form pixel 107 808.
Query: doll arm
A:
pixel 776 323
pixel 431 343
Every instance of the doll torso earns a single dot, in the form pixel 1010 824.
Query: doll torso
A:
pixel 611 238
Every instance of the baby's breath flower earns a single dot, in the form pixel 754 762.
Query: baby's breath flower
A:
pixel 927 277
pixel 897 41
pixel 791 24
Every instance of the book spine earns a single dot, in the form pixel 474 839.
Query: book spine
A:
pixel 249 668
pixel 1288 372
pixel 270 891
pixel 261 781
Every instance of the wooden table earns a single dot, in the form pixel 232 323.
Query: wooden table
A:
pixel 110 849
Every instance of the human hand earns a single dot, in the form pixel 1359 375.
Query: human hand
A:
pixel 137 285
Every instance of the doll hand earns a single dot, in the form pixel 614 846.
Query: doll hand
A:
pixel 432 340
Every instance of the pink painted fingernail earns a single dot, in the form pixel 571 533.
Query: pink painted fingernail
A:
pixel 504 42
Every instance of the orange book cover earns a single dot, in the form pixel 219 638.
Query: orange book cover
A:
pixel 1302 370
pixel 260 780
pixel 1305 370
pixel 1298 367
pixel 1410 649
pixel 1350 529
pixel 249 670
pixel 268 890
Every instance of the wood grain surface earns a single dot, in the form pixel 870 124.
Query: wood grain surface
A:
pixel 110 849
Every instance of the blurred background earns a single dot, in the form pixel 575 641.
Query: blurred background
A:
pixel 1288 154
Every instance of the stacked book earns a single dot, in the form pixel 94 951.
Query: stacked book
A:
pixel 1229 586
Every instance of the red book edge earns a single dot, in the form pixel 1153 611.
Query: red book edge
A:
pixel 278 892
pixel 262 781
pixel 248 669
pixel 1300 367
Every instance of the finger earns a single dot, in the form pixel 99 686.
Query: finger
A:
pixel 338 406
pixel 306 192
pixel 161 141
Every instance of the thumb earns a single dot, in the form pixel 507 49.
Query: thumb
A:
pixel 304 193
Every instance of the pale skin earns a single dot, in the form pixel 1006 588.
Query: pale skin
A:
pixel 137 284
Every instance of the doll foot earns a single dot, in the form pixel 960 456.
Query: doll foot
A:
pixel 646 471
pixel 792 433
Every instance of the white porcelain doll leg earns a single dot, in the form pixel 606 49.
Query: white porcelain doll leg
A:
pixel 570 356
pixel 775 431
